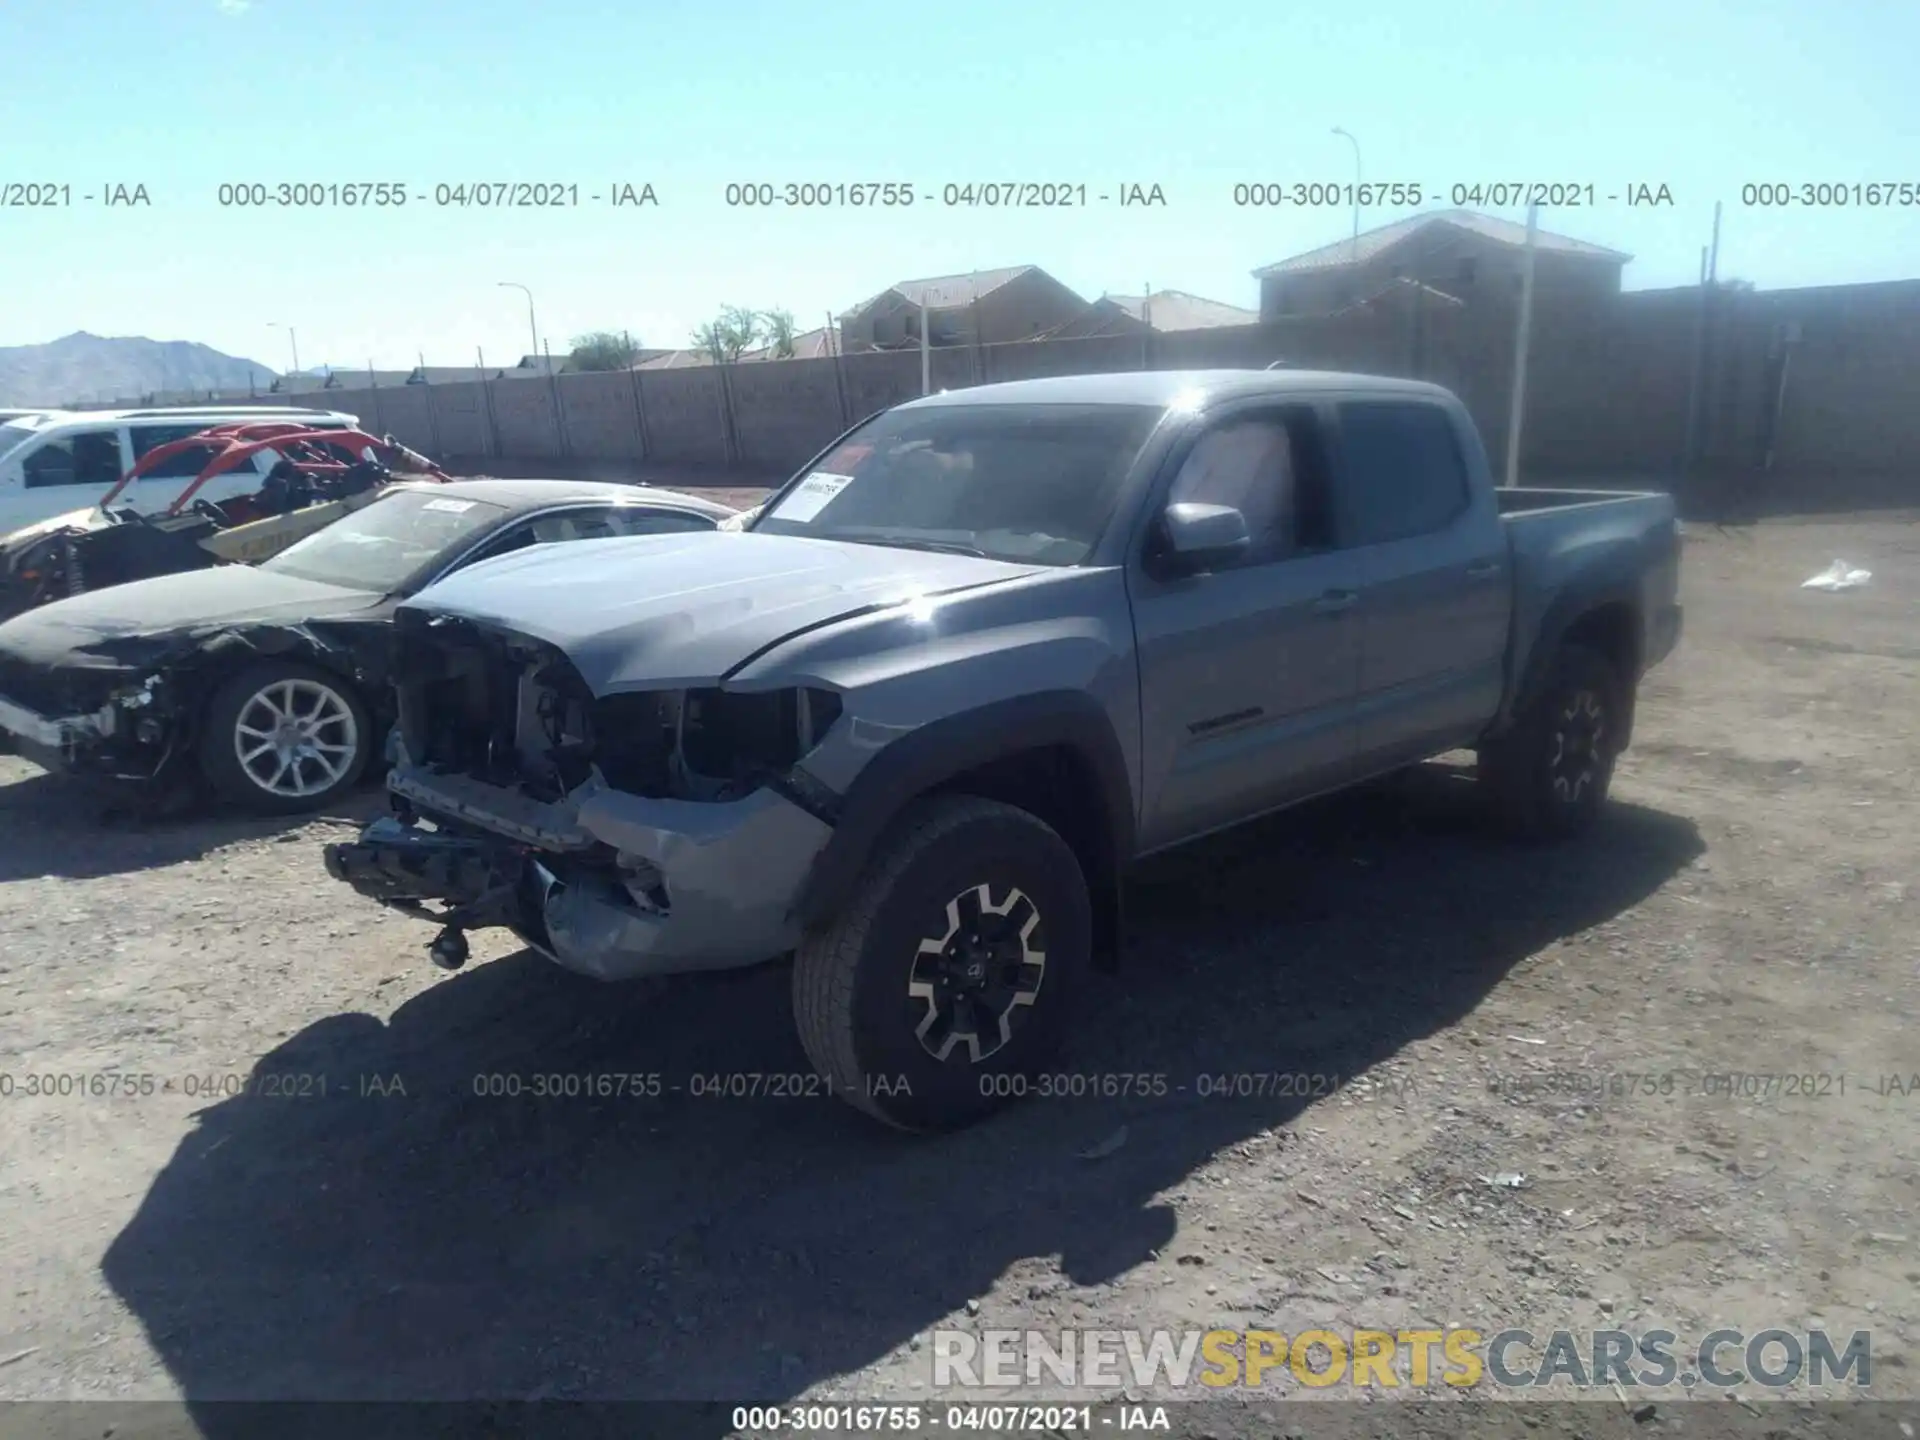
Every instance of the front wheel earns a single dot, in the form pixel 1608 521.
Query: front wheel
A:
pixel 283 737
pixel 1548 776
pixel 939 991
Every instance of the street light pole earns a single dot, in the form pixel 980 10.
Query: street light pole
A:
pixel 1523 337
pixel 1356 190
pixel 292 340
pixel 532 329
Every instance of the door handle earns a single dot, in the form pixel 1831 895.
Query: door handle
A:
pixel 1334 601
pixel 1484 570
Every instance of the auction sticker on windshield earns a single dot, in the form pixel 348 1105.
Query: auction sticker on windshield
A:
pixel 811 495
pixel 456 507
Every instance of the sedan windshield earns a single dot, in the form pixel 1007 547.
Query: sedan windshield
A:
pixel 1029 483
pixel 385 545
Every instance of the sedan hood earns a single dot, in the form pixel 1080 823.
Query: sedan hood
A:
pixel 106 627
pixel 666 611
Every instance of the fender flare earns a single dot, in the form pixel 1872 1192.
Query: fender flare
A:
pixel 935 753
pixel 1562 614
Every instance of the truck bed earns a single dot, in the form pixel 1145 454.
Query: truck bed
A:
pixel 1574 549
pixel 1525 499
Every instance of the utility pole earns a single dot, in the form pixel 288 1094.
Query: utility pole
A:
pixel 1356 191
pixel 533 330
pixel 926 353
pixel 1522 335
pixel 1699 365
pixel 292 340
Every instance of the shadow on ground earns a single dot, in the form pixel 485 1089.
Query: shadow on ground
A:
pixel 440 1244
pixel 61 825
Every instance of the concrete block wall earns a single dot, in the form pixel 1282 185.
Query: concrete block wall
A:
pixel 459 420
pixel 684 416
pixel 1608 386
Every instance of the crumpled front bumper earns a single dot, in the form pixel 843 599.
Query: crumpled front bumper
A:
pixel 55 740
pixel 608 884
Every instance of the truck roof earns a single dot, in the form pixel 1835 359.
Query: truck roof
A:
pixel 1162 389
pixel 531 494
pixel 48 419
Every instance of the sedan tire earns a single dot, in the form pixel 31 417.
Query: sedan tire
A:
pixel 283 738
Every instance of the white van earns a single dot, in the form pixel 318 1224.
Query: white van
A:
pixel 56 461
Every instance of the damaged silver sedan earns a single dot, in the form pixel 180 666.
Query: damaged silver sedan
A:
pixel 269 683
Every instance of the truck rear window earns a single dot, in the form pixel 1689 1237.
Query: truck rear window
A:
pixel 1403 472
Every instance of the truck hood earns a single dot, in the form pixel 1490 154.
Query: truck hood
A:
pixel 124 624
pixel 669 611
pixel 92 518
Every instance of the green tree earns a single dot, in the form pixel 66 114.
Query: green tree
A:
pixel 604 350
pixel 780 332
pixel 725 337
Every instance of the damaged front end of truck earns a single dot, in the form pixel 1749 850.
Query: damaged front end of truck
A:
pixel 622 835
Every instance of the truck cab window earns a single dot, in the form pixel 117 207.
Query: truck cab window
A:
pixel 1402 469
pixel 185 465
pixel 1268 468
pixel 85 459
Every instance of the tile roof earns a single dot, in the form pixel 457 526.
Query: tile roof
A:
pixel 807 345
pixel 675 360
pixel 945 292
pixel 1490 227
pixel 449 374
pixel 1177 310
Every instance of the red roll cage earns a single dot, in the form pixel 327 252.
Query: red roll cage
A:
pixel 305 446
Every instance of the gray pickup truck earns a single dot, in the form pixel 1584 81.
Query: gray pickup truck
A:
pixel 914 721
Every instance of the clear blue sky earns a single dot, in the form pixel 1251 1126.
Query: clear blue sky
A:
pixel 180 95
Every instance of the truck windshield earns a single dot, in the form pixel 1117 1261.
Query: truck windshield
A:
pixel 13 433
pixel 389 543
pixel 1029 483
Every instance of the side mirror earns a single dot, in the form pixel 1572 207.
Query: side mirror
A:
pixel 1203 537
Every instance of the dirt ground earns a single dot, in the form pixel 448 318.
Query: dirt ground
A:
pixel 1747 907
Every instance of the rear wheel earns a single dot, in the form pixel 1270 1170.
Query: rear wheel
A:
pixel 949 980
pixel 282 737
pixel 1548 776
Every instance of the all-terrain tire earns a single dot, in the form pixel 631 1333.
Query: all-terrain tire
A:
pixel 239 714
pixel 1547 777
pixel 902 1013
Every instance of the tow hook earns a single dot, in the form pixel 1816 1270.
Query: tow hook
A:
pixel 449 948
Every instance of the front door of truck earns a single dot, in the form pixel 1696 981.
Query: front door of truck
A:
pixel 1248 673
pixel 64 471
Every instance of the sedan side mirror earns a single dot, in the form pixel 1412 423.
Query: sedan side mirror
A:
pixel 1204 537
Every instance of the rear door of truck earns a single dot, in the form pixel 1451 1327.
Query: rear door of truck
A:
pixel 153 492
pixel 1435 587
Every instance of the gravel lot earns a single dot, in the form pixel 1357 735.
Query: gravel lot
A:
pixel 1746 907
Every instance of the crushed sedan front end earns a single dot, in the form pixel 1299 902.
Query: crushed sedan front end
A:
pixel 112 722
pixel 623 836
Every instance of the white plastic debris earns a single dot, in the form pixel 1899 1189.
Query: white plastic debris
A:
pixel 1838 576
pixel 1505 1180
